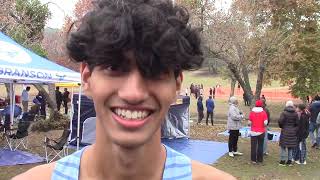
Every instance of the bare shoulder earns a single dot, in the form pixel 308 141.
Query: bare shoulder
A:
pixel 204 172
pixel 39 172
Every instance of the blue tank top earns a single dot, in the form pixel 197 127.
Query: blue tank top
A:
pixel 177 166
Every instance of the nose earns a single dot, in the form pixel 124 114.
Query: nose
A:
pixel 134 89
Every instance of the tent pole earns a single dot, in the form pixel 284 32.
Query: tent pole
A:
pixel 189 119
pixel 71 101
pixel 78 125
pixel 11 103
pixel 72 112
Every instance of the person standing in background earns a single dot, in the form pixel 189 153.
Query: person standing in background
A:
pixel 200 110
pixel 300 151
pixel 65 99
pixel 258 120
pixel 210 108
pixel 235 116
pixel 25 99
pixel 265 142
pixel 214 92
pixel 58 98
pixel 288 123
pixel 42 101
pixel 314 127
pixel 196 91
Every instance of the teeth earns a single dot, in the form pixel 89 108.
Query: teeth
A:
pixel 128 114
pixel 139 114
pixel 134 115
pixel 144 113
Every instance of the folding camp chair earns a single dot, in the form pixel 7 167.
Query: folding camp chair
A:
pixel 89 131
pixel 58 147
pixel 17 136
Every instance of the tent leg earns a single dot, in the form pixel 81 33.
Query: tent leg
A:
pixel 78 125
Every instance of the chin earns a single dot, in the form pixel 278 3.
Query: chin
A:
pixel 133 140
pixel 130 143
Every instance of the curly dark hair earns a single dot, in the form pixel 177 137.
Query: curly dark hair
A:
pixel 155 30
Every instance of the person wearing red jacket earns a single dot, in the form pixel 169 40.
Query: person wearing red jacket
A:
pixel 259 120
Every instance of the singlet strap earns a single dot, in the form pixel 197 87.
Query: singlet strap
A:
pixel 68 167
pixel 177 166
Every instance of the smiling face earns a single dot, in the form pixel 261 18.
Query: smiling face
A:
pixel 129 107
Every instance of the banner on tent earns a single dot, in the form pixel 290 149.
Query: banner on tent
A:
pixel 36 74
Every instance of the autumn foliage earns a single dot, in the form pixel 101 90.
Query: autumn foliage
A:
pixel 54 41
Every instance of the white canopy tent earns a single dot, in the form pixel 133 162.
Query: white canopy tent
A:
pixel 20 65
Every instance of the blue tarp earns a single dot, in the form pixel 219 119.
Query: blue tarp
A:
pixel 207 152
pixel 11 158
pixel 22 65
pixel 245 133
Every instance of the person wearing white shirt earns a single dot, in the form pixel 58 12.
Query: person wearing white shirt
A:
pixel 25 99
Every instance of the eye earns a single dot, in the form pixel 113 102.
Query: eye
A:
pixel 114 70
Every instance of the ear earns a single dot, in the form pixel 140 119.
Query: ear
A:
pixel 179 81
pixel 85 78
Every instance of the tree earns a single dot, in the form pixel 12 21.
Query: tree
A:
pixel 24 21
pixel 300 55
pixel 242 38
pixel 54 40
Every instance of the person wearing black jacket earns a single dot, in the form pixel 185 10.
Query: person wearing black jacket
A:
pixel 288 123
pixel 300 152
pixel 200 110
pixel 65 100
pixel 58 98
pixel 314 127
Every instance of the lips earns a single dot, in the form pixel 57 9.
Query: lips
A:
pixel 130 118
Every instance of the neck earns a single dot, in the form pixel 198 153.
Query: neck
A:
pixel 111 161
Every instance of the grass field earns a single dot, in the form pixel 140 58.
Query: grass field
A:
pixel 241 167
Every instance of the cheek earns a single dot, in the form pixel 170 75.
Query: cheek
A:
pixel 167 94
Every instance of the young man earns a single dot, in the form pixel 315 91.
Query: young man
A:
pixel 130 50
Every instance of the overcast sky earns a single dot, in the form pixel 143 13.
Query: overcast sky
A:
pixel 60 8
